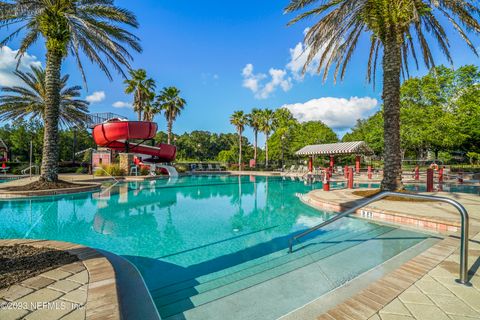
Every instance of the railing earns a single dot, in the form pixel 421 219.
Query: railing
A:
pixel 464 228
pixel 24 171
pixel 108 174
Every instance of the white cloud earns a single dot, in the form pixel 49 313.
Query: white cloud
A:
pixel 121 104
pixel 8 64
pixel 256 82
pixel 283 78
pixel 97 96
pixel 334 112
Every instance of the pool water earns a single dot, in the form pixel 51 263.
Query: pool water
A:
pixel 207 245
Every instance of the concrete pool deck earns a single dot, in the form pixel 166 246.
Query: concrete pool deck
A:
pixel 424 288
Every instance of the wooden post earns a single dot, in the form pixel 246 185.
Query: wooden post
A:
pixel 440 175
pixel 417 173
pixel 369 172
pixel 332 162
pixel 310 164
pixel 357 164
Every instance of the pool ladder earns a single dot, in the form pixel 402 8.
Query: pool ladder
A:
pixel 461 209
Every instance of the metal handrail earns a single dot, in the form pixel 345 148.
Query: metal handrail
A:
pixel 108 174
pixel 24 171
pixel 463 212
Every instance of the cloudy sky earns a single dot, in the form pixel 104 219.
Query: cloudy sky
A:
pixel 226 56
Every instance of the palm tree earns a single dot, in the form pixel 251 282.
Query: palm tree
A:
pixel 19 102
pixel 266 126
pixel 239 119
pixel 254 120
pixel 169 100
pixel 68 27
pixel 143 89
pixel 397 28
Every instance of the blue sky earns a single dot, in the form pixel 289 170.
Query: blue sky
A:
pixel 203 47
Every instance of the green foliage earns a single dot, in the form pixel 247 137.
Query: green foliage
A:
pixel 110 170
pixel 439 112
pixel 28 101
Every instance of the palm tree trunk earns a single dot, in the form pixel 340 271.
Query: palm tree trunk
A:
pixel 392 61
pixel 239 150
pixel 169 129
pixel 52 112
pixel 255 150
pixel 266 149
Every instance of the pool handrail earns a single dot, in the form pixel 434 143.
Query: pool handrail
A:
pixel 461 209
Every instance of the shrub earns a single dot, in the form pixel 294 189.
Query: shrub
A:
pixel 144 171
pixel 110 170
pixel 181 167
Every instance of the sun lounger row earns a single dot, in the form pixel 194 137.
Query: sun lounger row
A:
pixel 206 167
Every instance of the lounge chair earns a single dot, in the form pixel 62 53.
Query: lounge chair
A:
pixel 209 167
pixel 218 167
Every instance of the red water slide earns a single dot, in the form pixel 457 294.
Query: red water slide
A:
pixel 122 136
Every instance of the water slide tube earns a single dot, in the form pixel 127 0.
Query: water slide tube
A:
pixel 118 136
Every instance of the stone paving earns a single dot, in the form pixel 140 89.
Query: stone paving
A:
pixel 56 294
pixel 437 296
pixel 424 288
pixel 84 289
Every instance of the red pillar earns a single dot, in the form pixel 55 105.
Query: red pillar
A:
pixel 357 164
pixel 310 164
pixel 417 173
pixel 332 162
pixel 350 178
pixel 429 180
pixel 440 175
pixel 460 177
pixel 326 181
pixel 369 172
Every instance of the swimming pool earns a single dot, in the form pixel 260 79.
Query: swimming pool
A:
pixel 211 245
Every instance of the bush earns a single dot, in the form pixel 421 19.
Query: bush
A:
pixel 110 170
pixel 181 167
pixel 144 171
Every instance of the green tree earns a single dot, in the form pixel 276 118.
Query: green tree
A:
pixel 239 119
pixel 254 121
pixel 266 126
pixel 392 25
pixel 68 27
pixel 28 101
pixel 143 89
pixel 172 104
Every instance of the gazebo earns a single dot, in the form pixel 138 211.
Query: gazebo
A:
pixel 358 148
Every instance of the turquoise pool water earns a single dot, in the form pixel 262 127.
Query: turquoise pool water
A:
pixel 207 245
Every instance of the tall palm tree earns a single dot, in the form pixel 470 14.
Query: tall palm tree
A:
pixel 266 126
pixel 254 121
pixel 239 119
pixel 29 100
pixel 172 104
pixel 93 27
pixel 142 87
pixel 397 29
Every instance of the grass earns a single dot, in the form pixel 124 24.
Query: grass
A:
pixel 373 192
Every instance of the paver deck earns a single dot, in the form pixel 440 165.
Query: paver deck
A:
pixel 424 288
pixel 85 289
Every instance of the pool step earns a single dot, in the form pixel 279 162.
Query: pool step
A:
pixel 170 302
pixel 322 241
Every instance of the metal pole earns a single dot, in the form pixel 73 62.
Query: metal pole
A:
pixel 463 279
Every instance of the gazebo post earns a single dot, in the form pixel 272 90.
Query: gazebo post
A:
pixel 310 164
pixel 332 162
pixel 357 164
